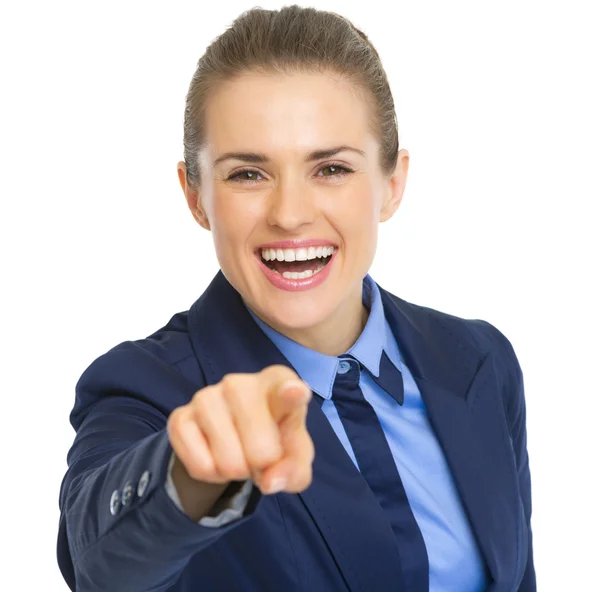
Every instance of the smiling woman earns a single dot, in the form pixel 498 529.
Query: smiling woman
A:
pixel 279 166
pixel 299 427
pixel 315 181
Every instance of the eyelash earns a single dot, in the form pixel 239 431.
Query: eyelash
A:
pixel 346 171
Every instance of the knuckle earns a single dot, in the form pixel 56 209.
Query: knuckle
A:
pixel 201 396
pixel 305 479
pixel 226 382
pixel 234 387
pixel 261 456
pixel 302 478
pixel 233 470
pixel 306 483
pixel 197 470
pixel 204 399
pixel 175 420
pixel 229 382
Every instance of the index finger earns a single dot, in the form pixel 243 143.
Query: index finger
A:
pixel 286 391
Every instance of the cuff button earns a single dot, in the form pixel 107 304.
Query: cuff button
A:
pixel 127 494
pixel 114 502
pixel 143 483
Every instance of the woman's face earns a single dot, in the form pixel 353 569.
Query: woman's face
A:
pixel 272 198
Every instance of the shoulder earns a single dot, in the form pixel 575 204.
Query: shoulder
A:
pixel 161 369
pixel 474 333
pixel 471 335
pixel 491 341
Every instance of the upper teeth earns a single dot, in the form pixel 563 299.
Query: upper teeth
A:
pixel 297 254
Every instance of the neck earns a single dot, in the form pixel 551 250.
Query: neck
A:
pixel 337 333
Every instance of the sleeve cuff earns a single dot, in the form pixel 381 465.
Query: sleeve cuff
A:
pixel 233 501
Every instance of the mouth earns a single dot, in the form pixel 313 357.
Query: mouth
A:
pixel 297 264
pixel 296 269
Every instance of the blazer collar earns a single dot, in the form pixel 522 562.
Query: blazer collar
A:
pixel 450 373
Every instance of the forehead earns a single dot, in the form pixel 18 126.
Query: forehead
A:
pixel 296 112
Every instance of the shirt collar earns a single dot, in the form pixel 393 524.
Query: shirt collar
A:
pixel 319 370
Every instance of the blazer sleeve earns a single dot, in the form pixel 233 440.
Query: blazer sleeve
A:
pixel 515 407
pixel 119 530
pixel 519 437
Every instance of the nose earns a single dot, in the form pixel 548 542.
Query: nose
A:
pixel 291 205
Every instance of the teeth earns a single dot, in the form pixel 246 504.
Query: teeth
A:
pixel 295 275
pixel 302 254
pixel 289 255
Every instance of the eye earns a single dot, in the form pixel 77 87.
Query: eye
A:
pixel 342 170
pixel 245 176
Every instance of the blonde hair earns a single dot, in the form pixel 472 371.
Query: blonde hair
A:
pixel 286 41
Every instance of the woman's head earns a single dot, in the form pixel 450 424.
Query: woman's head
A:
pixel 275 89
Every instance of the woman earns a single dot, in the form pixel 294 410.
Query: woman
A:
pixel 299 428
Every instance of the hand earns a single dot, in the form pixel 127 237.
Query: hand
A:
pixel 247 426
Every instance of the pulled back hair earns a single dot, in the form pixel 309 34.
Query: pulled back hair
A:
pixel 291 40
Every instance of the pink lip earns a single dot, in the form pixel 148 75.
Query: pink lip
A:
pixel 297 244
pixel 296 285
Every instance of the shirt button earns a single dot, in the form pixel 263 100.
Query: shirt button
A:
pixel 114 502
pixel 343 367
pixel 127 494
pixel 143 483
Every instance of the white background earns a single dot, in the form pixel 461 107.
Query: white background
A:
pixel 498 107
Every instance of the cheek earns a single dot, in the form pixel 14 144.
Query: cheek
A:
pixel 361 226
pixel 360 212
pixel 232 218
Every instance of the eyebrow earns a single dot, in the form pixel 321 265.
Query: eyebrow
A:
pixel 255 157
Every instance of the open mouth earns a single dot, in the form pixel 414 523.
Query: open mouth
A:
pixel 297 265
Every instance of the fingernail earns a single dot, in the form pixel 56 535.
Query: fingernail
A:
pixel 278 484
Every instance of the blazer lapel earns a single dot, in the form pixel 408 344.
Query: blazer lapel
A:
pixel 461 390
pixel 226 339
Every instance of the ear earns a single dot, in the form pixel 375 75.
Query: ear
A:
pixel 192 196
pixel 395 187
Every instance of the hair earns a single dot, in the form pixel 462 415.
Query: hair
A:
pixel 287 41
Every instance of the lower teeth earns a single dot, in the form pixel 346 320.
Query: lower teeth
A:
pixel 295 275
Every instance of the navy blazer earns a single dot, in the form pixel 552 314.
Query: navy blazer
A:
pixel 332 537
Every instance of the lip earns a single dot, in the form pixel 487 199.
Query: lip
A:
pixel 298 244
pixel 290 285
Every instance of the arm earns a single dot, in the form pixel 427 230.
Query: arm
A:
pixel 143 541
pixel 518 430
pixel 515 408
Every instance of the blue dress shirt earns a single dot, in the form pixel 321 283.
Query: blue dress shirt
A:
pixel 455 562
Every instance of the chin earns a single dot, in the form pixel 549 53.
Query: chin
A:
pixel 295 315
